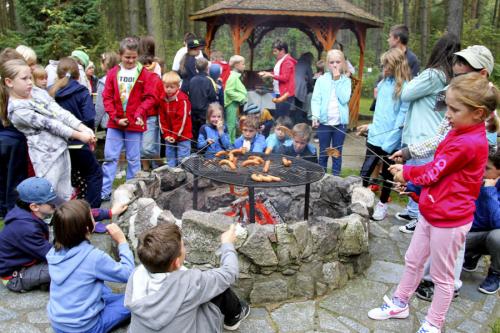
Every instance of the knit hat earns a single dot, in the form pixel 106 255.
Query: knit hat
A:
pixel 82 56
pixel 478 57
pixel 215 71
pixel 251 108
pixel 39 191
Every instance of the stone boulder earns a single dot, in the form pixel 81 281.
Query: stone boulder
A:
pixel 170 178
pixel 354 239
pixel 257 247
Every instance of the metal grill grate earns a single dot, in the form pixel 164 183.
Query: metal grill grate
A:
pixel 301 172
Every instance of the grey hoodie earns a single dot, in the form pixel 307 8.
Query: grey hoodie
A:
pixel 182 303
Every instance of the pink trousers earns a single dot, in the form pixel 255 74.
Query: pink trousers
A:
pixel 442 245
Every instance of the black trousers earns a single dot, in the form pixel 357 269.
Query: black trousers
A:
pixel 371 161
pixel 13 170
pixel 86 174
pixel 228 303
pixel 299 115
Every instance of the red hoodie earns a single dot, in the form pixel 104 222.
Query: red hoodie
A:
pixel 142 98
pixel 175 116
pixel 286 78
pixel 451 182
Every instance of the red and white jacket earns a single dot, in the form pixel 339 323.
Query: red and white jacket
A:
pixel 451 182
pixel 142 98
pixel 286 78
pixel 175 116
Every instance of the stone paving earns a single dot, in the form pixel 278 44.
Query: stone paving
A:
pixel 342 310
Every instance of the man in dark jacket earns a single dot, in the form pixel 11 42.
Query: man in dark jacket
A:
pixel 24 241
pixel 202 91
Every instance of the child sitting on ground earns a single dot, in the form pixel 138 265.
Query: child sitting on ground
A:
pixel 164 296
pixel 79 299
pixel 250 139
pixel 40 77
pixel 24 241
pixel 280 136
pixel 213 135
pixel 300 146
pixel 175 120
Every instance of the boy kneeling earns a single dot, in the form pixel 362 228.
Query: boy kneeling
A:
pixel 164 296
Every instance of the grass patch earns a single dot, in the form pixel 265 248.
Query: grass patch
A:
pixel 1 224
pixel 364 106
pixel 495 327
pixel 119 181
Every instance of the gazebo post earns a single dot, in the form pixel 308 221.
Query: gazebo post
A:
pixel 360 32
pixel 210 35
pixel 239 26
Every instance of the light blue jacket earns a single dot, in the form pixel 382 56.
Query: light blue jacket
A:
pixel 321 97
pixel 272 141
pixel 220 142
pixel 77 283
pixel 389 116
pixel 422 121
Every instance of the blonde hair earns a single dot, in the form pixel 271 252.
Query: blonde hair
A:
pixel 8 70
pixel 475 92
pixel 339 53
pixel 171 78
pixel 66 69
pixel 396 62
pixel 235 59
pixel 302 130
pixel 212 107
pixel 109 60
pixel 28 54
pixel 249 121
pixel 39 73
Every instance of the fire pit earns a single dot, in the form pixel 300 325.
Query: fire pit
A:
pixel 299 172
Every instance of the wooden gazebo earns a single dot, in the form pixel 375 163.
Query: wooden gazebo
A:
pixel 320 20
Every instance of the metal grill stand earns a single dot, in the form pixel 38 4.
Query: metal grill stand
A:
pixel 301 172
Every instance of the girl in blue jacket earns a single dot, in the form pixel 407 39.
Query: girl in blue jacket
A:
pixel 384 134
pixel 86 173
pixel 213 136
pixel 79 299
pixel 330 109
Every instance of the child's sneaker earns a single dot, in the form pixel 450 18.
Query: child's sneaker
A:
pixel 389 310
pixel 404 217
pixel 471 263
pixel 234 324
pixel 409 228
pixel 425 291
pixel 491 284
pixel 380 212
pixel 428 328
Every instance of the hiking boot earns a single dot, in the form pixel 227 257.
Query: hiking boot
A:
pixel 491 284
pixel 426 327
pixel 425 291
pixel 380 212
pixel 409 227
pixel 234 324
pixel 405 217
pixel 389 310
pixel 471 263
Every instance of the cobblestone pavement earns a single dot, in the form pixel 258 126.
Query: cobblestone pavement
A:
pixel 342 310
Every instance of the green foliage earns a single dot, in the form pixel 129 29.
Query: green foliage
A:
pixel 10 39
pixel 54 28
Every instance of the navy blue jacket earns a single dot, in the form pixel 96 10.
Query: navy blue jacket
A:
pixel 76 99
pixel 201 93
pixel 487 214
pixel 11 132
pixel 308 154
pixel 24 240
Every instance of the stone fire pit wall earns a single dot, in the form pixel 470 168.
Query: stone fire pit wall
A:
pixel 297 259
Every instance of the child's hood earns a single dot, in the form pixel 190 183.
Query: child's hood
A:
pixel 17 214
pixel 157 299
pixel 64 262
pixel 72 87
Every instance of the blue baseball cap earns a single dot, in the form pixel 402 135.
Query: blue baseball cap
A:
pixel 39 191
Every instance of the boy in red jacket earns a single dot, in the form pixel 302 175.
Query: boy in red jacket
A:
pixel 175 120
pixel 128 95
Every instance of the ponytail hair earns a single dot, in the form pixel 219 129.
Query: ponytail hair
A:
pixel 66 69
pixel 8 70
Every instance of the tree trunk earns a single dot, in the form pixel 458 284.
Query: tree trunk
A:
pixel 3 16
pixel 473 9
pixel 496 14
pixel 149 17
pixel 455 16
pixel 406 12
pixel 133 12
pixel 157 25
pixel 12 15
pixel 424 29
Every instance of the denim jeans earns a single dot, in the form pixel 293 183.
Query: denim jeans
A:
pixel 175 152
pixel 412 206
pixel 331 136
pixel 115 140
pixel 151 139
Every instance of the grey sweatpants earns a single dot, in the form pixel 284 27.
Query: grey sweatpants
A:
pixel 59 175
pixel 29 278
pixel 480 243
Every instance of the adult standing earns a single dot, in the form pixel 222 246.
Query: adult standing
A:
pixel 303 86
pixel 284 78
pixel 398 37
pixel 183 50
pixel 187 69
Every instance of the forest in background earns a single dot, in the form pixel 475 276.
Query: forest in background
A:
pixel 56 27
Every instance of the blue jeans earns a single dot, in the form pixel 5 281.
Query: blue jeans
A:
pixel 115 139
pixel 151 139
pixel 412 206
pixel 113 314
pixel 331 136
pixel 175 152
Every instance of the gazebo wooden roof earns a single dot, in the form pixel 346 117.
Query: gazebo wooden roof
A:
pixel 320 20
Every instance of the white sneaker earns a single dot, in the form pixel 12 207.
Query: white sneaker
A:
pixel 380 212
pixel 409 228
pixel 428 328
pixel 389 310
